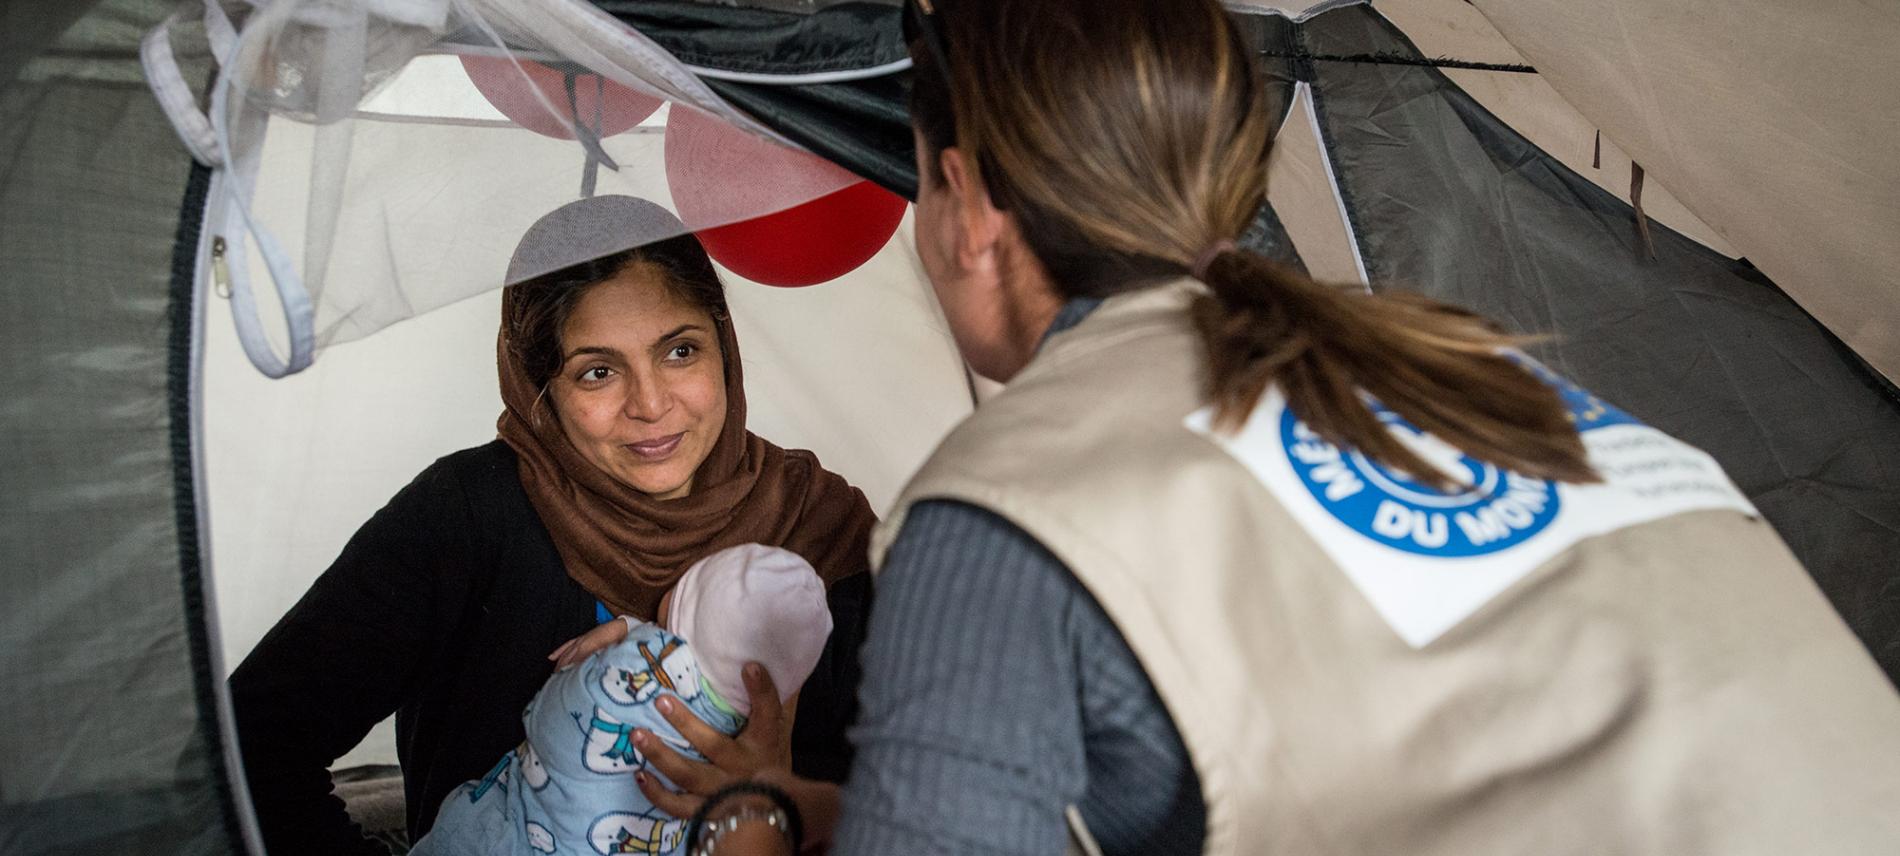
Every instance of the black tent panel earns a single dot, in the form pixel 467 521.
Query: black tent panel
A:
pixel 854 115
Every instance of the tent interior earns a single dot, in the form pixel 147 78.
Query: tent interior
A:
pixel 254 253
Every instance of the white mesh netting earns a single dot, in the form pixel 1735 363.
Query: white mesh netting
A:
pixel 380 158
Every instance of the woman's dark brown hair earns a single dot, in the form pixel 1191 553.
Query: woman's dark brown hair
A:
pixel 1128 136
pixel 544 303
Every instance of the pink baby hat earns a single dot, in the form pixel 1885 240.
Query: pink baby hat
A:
pixel 752 603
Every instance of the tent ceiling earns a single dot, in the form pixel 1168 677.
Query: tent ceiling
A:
pixel 1774 122
pixel 1526 102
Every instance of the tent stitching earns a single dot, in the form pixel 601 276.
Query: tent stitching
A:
pixel 1391 58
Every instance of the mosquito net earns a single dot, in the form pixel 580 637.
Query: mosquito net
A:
pixel 379 160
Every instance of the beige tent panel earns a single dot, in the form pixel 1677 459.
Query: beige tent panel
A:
pixel 1300 188
pixel 1774 122
pixel 1526 102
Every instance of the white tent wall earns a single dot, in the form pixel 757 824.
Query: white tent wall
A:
pixel 294 466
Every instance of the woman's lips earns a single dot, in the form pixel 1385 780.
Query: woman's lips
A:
pixel 656 450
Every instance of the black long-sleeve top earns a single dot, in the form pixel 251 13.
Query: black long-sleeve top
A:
pixel 442 609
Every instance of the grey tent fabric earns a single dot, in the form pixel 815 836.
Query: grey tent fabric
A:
pixel 1267 234
pixel 1447 200
pixel 108 740
pixel 26 28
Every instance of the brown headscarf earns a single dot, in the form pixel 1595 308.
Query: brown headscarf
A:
pixel 624 546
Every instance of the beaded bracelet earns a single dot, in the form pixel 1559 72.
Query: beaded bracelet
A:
pixel 703 834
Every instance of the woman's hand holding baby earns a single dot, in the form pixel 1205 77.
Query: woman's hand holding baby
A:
pixel 763 745
pixel 761 753
pixel 578 648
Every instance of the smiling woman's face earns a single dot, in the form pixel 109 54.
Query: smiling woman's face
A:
pixel 641 390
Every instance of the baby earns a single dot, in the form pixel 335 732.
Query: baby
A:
pixel 569 788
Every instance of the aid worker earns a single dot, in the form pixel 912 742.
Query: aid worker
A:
pixel 1242 563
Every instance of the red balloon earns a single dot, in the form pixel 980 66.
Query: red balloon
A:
pixel 499 80
pixel 715 170
pixel 816 242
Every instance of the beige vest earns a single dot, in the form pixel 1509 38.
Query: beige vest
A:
pixel 1634 668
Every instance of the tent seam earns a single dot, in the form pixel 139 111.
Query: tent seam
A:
pixel 1348 209
pixel 178 389
pixel 810 78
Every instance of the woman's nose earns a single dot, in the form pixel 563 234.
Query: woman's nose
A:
pixel 648 401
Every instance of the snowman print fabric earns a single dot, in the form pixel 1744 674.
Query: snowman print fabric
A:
pixel 569 788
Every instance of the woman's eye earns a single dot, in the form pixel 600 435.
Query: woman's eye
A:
pixel 595 374
pixel 682 351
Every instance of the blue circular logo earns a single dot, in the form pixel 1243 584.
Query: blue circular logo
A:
pixel 1496 510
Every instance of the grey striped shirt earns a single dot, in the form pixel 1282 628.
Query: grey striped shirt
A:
pixel 996 692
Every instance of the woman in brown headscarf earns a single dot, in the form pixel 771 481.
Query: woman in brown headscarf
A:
pixel 623 458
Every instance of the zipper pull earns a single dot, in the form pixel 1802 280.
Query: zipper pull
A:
pixel 220 270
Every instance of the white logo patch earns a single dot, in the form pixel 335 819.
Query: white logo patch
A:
pixel 1427 559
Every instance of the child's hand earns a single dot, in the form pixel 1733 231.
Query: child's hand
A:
pixel 578 648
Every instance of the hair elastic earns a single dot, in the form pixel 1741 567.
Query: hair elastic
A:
pixel 1214 251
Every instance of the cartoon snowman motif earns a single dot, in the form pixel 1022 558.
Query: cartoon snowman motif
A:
pixel 670 668
pixel 540 838
pixel 609 749
pixel 532 770
pixel 649 833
